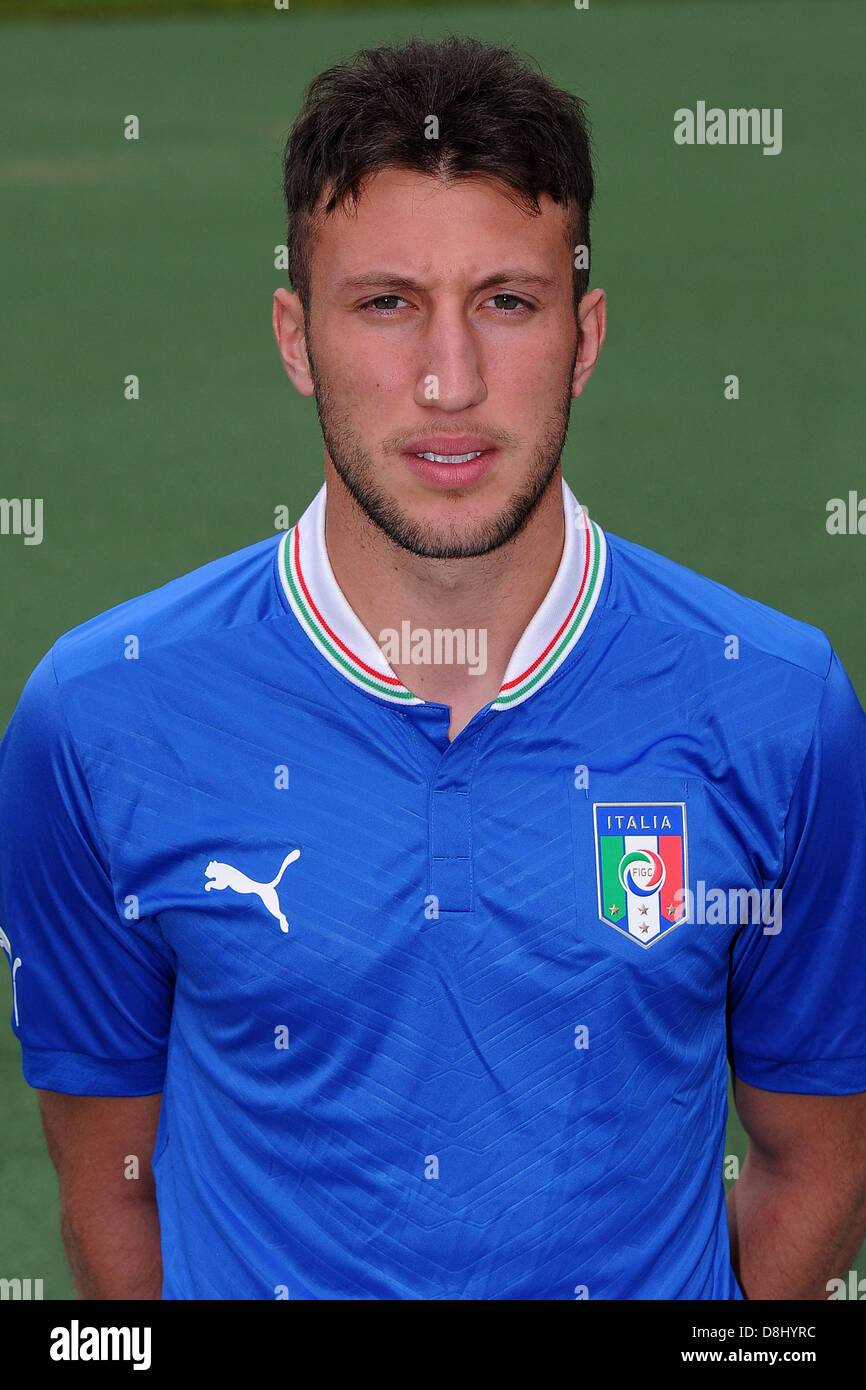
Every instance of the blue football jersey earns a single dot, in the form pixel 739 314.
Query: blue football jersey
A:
pixel 438 1019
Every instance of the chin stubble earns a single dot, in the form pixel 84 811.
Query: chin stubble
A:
pixel 356 468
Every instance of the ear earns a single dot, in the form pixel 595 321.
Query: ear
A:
pixel 592 321
pixel 291 335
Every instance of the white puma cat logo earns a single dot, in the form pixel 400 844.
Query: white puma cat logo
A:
pixel 224 876
pixel 6 945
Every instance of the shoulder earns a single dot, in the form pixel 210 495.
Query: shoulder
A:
pixel 756 700
pixel 226 593
pixel 669 599
pixel 108 669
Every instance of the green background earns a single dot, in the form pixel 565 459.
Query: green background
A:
pixel 156 257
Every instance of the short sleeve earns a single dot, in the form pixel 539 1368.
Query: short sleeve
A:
pixel 797 992
pixel 91 991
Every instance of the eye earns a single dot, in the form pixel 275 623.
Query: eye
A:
pixel 379 299
pixel 386 305
pixel 509 312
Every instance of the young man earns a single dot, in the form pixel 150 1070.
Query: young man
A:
pixel 429 970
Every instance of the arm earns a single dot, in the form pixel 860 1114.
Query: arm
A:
pixel 109 1222
pixel 797 1213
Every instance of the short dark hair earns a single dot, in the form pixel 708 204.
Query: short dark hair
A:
pixel 498 117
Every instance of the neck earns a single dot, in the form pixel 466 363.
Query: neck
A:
pixel 496 594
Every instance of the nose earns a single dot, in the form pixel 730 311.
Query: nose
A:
pixel 450 372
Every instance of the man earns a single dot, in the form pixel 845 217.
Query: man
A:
pixel 373 866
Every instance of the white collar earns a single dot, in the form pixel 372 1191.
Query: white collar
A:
pixel 336 630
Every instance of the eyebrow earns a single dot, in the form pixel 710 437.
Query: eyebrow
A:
pixel 514 276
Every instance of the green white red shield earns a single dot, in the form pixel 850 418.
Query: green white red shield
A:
pixel 641 852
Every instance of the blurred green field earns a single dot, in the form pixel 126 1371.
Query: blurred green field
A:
pixel 156 257
pixel 119 9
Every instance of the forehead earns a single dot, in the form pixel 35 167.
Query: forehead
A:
pixel 429 226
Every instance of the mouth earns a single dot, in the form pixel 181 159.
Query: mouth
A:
pixel 450 463
pixel 451 458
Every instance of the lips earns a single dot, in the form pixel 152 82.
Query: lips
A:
pixel 449 445
pixel 450 475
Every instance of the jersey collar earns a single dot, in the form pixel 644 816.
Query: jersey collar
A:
pixel 338 633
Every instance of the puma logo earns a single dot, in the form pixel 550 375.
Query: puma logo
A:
pixel 6 945
pixel 225 876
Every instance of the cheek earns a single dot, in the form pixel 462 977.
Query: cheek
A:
pixel 537 370
pixel 356 372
